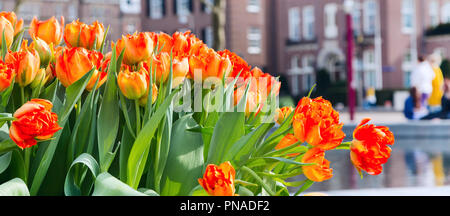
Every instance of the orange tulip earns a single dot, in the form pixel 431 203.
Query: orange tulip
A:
pixel 287 141
pixel 265 83
pixel 317 123
pixel 143 100
pixel 35 121
pixel 180 70
pixel 11 16
pixel 79 34
pixel 51 31
pixel 219 180
pixel 319 172
pixel 253 100
pixel 210 64
pixel 7 28
pixel 6 75
pixel 165 42
pixel 159 66
pixel 240 66
pixel 26 64
pixel 133 84
pixel 138 48
pixel 282 114
pixel 369 149
pixel 75 62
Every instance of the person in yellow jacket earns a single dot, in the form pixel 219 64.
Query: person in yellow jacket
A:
pixel 435 99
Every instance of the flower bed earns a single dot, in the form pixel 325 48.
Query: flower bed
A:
pixel 157 115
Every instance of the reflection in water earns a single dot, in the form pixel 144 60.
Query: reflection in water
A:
pixel 405 168
pixel 420 158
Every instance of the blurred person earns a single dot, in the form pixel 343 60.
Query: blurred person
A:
pixel 414 110
pixel 371 99
pixel 445 113
pixel 421 78
pixel 435 100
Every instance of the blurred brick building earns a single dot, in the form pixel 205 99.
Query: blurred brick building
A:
pixel 247 30
pixel 389 35
pixel 113 13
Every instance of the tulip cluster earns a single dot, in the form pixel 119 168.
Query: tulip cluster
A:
pixel 316 123
pixel 149 68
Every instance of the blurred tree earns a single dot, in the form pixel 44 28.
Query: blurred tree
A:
pixel 445 67
pixel 17 5
pixel 219 19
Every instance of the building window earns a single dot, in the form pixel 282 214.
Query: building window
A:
pixel 130 6
pixel 308 76
pixel 59 10
pixel 356 17
pixel 253 6
pixel 183 7
pixel 97 13
pixel 446 13
pixel 294 24
pixel 28 10
pixel 207 7
pixel 369 70
pixel 156 9
pixel 254 40
pixel 72 11
pixel 331 29
pixel 294 73
pixel 309 23
pixel 208 36
pixel 408 16
pixel 434 13
pixel 131 28
pixel 407 67
pixel 370 15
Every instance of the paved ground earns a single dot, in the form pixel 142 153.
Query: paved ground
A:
pixel 377 117
pixel 418 191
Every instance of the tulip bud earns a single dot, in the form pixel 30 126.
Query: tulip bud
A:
pixel 7 28
pixel 39 80
pixel 44 51
pixel 282 114
pixel 133 84
pixel 143 100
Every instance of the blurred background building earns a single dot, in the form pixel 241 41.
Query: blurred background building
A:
pixel 303 41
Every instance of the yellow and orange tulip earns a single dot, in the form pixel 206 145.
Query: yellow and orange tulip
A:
pixel 319 172
pixel 26 64
pixel 7 28
pixel 138 48
pixel 11 16
pixel 210 64
pixel 51 31
pixel 133 84
pixel 75 62
pixel 79 34
pixel 6 75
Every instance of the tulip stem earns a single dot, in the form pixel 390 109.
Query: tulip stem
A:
pixel 27 157
pixel 259 180
pixel 22 95
pixel 138 117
